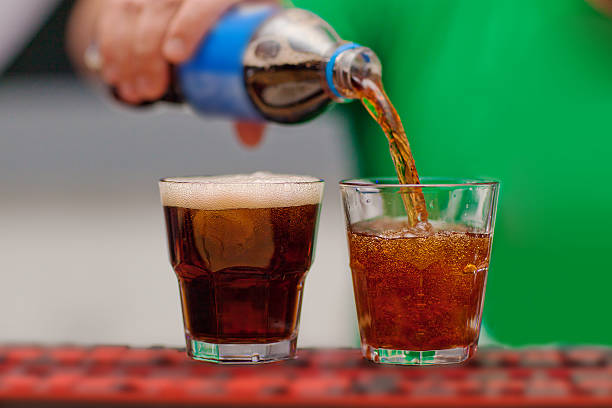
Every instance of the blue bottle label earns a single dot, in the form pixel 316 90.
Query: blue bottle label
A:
pixel 212 81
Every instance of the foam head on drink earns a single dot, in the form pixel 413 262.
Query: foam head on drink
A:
pixel 256 190
pixel 241 246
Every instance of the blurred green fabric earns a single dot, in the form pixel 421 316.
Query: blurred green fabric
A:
pixel 520 91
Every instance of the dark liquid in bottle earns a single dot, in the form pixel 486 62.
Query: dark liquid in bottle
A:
pixel 241 271
pixel 288 93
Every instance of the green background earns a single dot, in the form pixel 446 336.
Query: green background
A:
pixel 520 91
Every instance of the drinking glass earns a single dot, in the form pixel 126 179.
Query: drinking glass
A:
pixel 241 247
pixel 419 289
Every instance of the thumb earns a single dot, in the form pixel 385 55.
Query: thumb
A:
pixel 250 134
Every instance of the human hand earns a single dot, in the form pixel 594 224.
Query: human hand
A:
pixel 138 41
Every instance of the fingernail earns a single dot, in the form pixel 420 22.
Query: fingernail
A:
pixel 174 48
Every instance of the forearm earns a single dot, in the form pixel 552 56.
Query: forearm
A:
pixel 82 30
pixel 604 6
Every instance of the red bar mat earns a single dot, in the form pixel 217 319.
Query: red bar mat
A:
pixel 111 375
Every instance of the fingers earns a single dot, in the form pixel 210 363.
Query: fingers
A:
pixel 138 39
pixel 250 134
pixel 114 37
pixel 152 71
pixel 154 21
pixel 190 24
pixel 130 37
pixel 117 33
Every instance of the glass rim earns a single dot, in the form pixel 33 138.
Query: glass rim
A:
pixel 436 182
pixel 169 180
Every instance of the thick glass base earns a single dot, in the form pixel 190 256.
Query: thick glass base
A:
pixel 241 353
pixel 408 357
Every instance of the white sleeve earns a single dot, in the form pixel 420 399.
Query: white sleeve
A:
pixel 19 21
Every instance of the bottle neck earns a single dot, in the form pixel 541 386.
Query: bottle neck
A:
pixel 348 66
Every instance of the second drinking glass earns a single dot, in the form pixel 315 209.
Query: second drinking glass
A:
pixel 419 289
